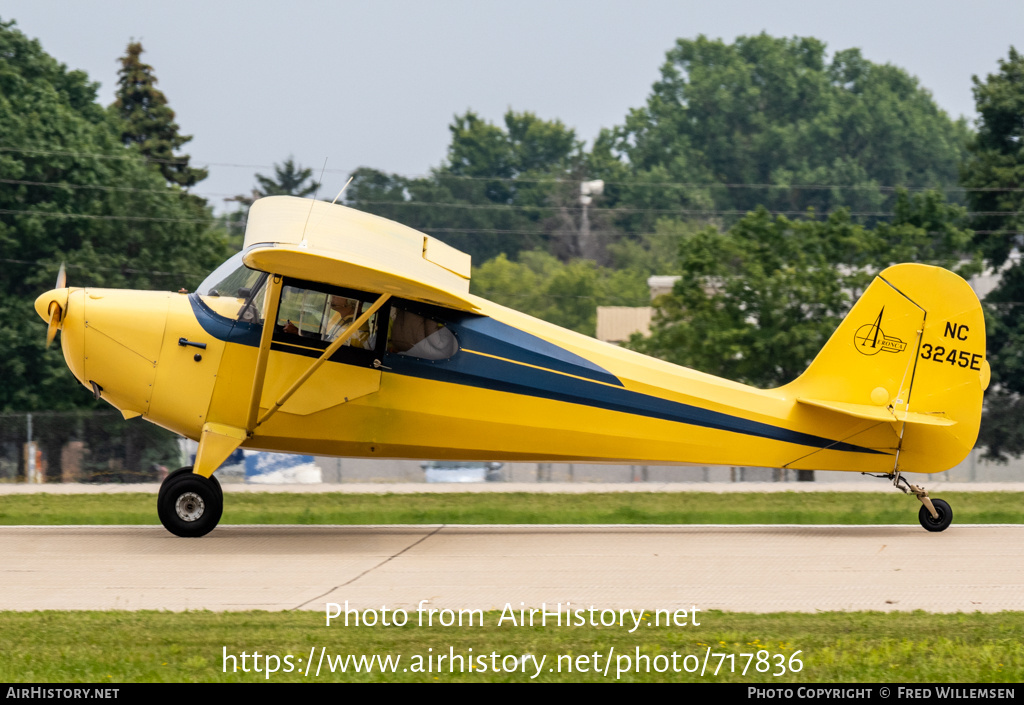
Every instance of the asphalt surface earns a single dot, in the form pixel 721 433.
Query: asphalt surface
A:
pixel 736 568
pixel 879 485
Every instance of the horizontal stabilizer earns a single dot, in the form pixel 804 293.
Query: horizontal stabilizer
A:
pixel 880 413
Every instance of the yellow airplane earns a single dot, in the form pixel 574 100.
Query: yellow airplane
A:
pixel 336 332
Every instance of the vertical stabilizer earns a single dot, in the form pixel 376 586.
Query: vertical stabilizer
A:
pixel 910 353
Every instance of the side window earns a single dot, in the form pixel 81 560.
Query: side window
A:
pixel 301 311
pixel 418 336
pixel 323 315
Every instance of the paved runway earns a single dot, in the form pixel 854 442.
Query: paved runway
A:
pixel 872 485
pixel 736 568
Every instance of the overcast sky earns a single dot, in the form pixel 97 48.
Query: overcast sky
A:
pixel 377 83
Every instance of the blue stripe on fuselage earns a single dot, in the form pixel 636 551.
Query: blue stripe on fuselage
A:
pixel 492 337
pixel 505 376
pixel 545 370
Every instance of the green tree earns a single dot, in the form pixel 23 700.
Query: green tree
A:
pixel 74 193
pixel 1002 428
pixel 289 179
pixel 761 121
pixel 564 293
pixel 500 189
pixel 770 121
pixel 756 303
pixel 994 176
pixel 148 120
pixel 994 168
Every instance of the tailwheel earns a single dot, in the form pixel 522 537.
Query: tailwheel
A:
pixel 935 514
pixel 189 505
pixel 939 523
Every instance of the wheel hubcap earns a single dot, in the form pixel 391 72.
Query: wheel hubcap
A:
pixel 189 506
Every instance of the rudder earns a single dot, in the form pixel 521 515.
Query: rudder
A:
pixel 911 353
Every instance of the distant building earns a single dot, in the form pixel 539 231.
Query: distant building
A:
pixel 660 285
pixel 615 324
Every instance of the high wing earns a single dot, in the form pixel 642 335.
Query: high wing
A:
pixel 332 244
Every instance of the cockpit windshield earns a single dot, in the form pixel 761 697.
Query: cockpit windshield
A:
pixel 235 291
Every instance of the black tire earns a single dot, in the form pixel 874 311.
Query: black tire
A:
pixel 188 470
pixel 945 516
pixel 189 505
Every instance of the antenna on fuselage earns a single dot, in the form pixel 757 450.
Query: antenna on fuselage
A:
pixel 342 190
pixel 312 202
pixel 332 203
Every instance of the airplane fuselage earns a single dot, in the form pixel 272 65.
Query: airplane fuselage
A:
pixel 516 389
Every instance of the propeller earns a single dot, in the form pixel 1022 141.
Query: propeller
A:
pixel 55 311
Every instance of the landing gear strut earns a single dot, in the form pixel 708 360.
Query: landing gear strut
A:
pixel 935 514
pixel 189 505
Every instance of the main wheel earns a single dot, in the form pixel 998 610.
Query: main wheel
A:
pixel 189 505
pixel 945 516
pixel 187 470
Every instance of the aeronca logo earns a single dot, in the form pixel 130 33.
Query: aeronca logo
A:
pixel 870 340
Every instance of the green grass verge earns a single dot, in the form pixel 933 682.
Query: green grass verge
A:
pixel 526 508
pixel 112 647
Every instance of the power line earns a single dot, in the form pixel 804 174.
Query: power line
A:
pixel 90 267
pixel 43 214
pixel 492 206
pixel 716 184
pixel 96 187
pixel 426 229
pixel 683 211
pixel 144 158
pixel 95 155
pixel 517 179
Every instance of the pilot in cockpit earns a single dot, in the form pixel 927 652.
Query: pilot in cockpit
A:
pixel 339 315
pixel 343 312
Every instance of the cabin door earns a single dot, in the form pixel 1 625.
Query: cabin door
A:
pixel 309 318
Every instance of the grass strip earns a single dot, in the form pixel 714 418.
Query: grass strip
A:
pixel 525 508
pixel 112 647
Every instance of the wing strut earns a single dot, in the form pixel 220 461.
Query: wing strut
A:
pixel 338 342
pixel 269 312
pixel 218 441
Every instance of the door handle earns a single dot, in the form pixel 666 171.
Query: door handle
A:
pixel 183 342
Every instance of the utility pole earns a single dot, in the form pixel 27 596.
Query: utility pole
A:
pixel 588 246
